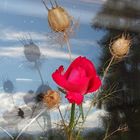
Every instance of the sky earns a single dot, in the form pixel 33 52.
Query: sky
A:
pixel 20 18
pixel 27 19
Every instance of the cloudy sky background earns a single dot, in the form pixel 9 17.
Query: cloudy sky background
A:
pixel 21 17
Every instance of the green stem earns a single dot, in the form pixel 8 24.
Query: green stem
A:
pixel 71 124
pixel 81 111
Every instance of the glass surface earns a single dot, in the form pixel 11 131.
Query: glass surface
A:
pixel 30 51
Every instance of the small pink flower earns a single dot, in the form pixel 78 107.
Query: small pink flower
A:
pixel 80 78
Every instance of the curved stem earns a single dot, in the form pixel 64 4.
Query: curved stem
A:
pixel 117 130
pixel 107 68
pixel 83 121
pixel 47 122
pixel 106 134
pixel 72 116
pixel 63 121
pixel 81 110
pixel 71 123
pixel 38 69
pixel 104 75
pixel 68 46
pixel 30 123
pixel 69 49
pixel 62 117
pixel 40 125
pixel 7 133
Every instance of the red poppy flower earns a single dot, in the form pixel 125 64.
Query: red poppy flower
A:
pixel 79 79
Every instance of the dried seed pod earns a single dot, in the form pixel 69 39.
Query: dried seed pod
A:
pixel 51 99
pixel 32 52
pixel 58 19
pixel 120 47
pixel 62 23
pixel 8 86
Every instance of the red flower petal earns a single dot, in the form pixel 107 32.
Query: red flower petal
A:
pixel 70 85
pixel 74 64
pixel 95 81
pixel 94 84
pixel 74 97
pixel 84 63
pixel 79 79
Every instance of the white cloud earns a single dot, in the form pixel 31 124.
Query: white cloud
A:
pixel 10 34
pixel 43 40
pixel 6 100
pixel 93 119
pixel 11 51
pixel 15 52
pixel 6 103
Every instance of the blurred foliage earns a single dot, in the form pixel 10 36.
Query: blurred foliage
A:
pixel 124 103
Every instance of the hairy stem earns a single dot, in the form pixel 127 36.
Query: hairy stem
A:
pixel 68 46
pixel 107 68
pixel 81 111
pixel 71 124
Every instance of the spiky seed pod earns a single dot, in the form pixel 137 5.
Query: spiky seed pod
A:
pixel 120 47
pixel 51 99
pixel 8 86
pixel 32 52
pixel 59 19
